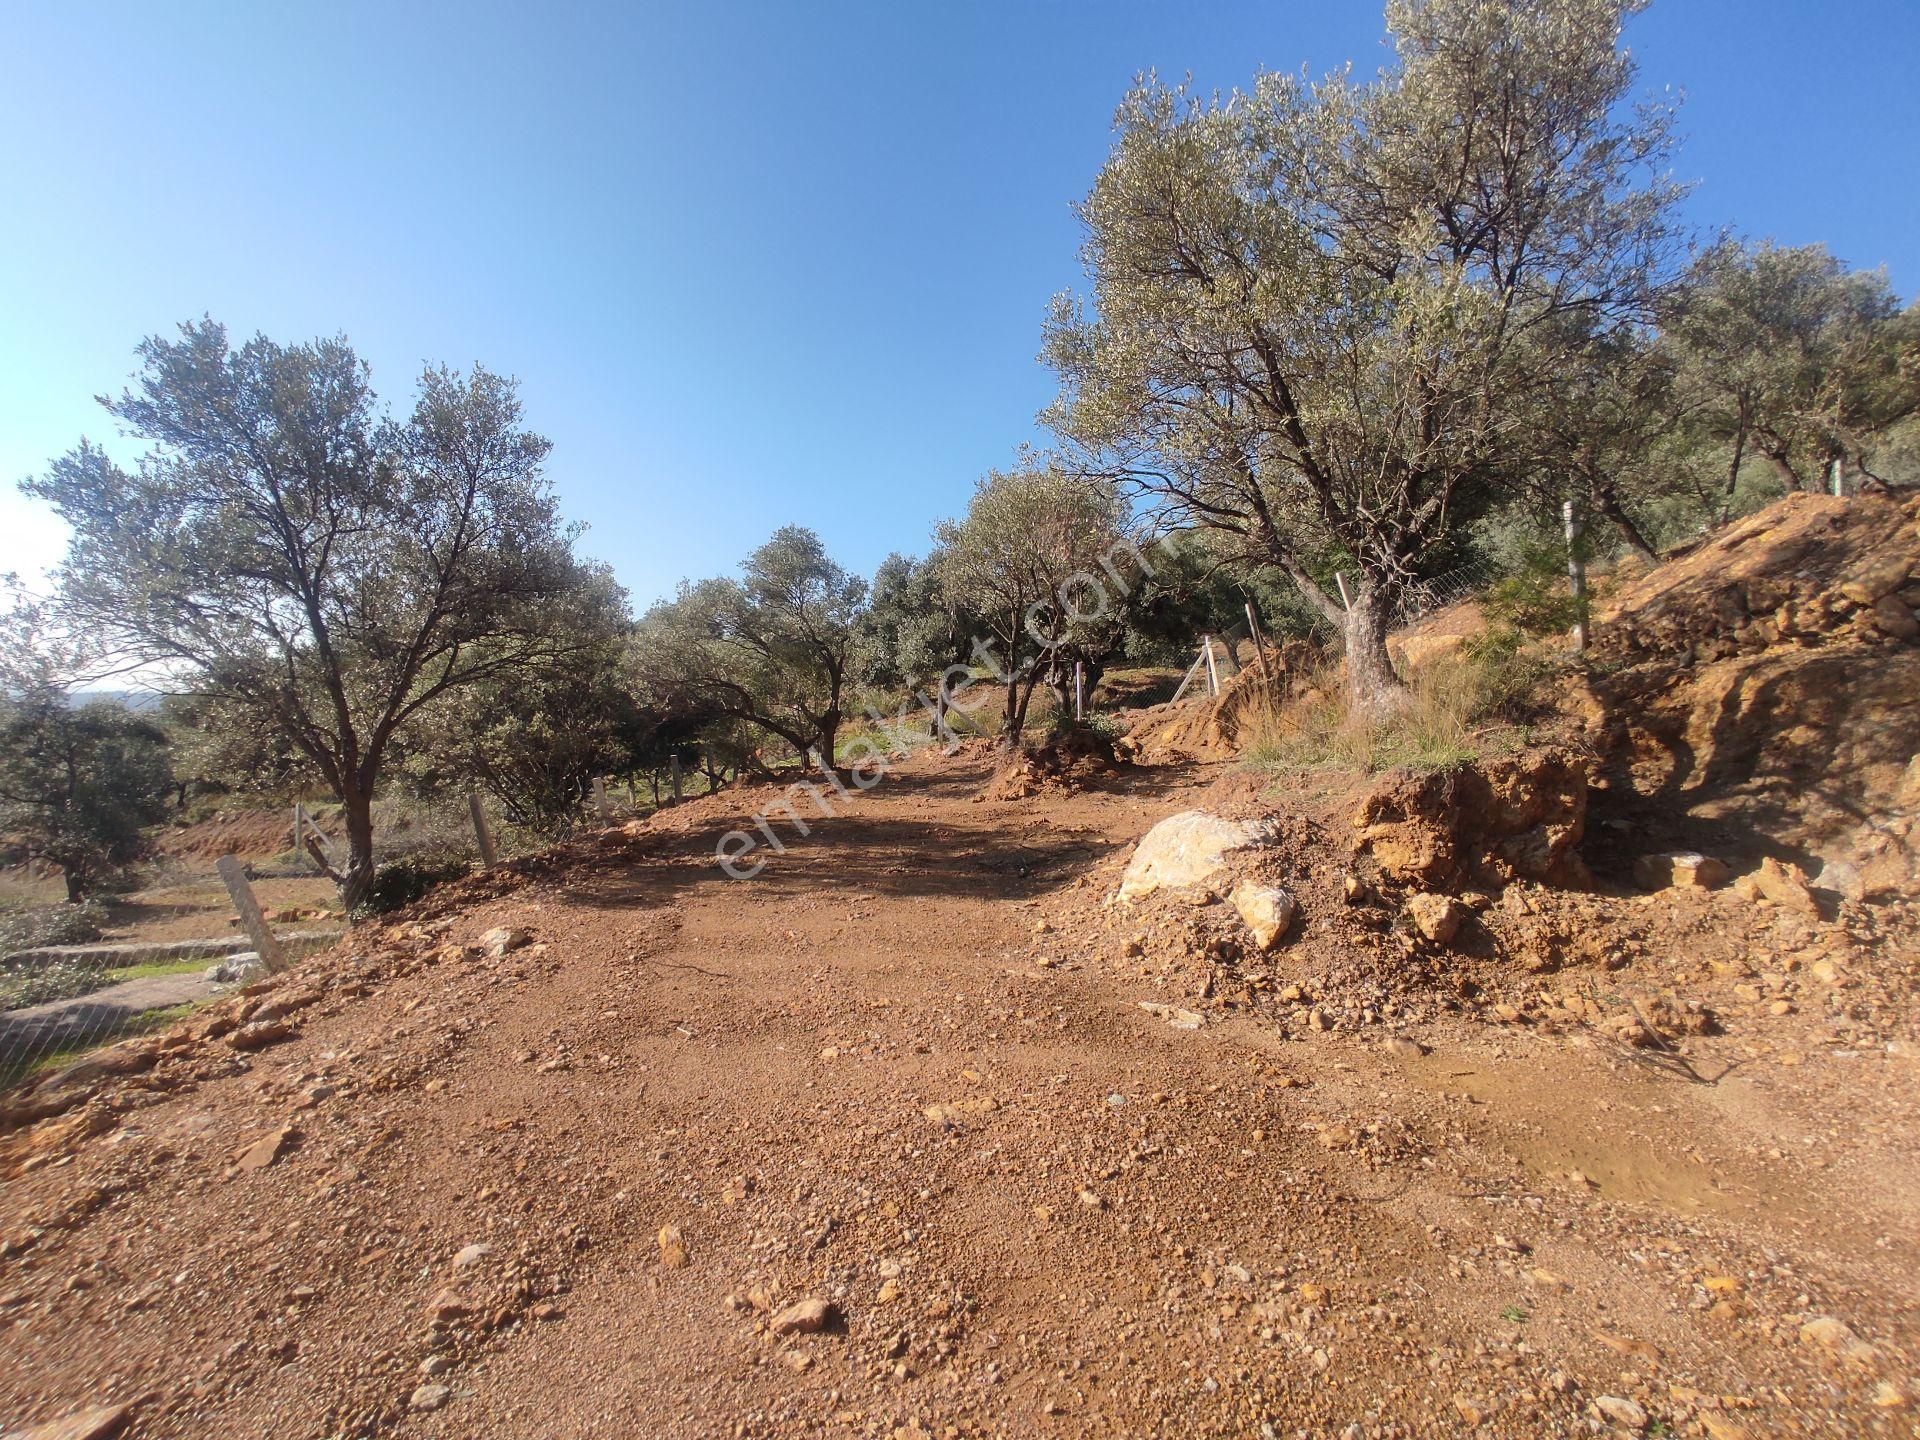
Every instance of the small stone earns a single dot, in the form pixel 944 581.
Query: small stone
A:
pixel 435 1365
pixel 1889 1396
pixel 1437 917
pixel 264 1151
pixel 502 938
pixel 1837 1336
pixel 1679 869
pixel 429 1397
pixel 448 1305
pixel 1406 1048
pixel 1892 616
pixel 1784 885
pixel 470 1256
pixel 1092 1201
pixel 1175 1016
pixel 547 1310
pixel 260 1034
pixel 1266 910
pixel 673 1250
pixel 1621 1411
pixel 804 1317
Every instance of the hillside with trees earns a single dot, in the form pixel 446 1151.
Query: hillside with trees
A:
pixel 1362 886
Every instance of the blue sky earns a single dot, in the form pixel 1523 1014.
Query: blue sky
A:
pixel 753 263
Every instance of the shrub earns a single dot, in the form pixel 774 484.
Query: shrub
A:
pixel 32 927
pixel 403 881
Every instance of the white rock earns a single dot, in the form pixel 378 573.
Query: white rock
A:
pixel 1186 849
pixel 429 1397
pixel 1267 910
pixel 502 938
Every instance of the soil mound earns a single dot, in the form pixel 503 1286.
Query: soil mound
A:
pixel 1520 815
pixel 1075 758
pixel 1204 727
pixel 1755 697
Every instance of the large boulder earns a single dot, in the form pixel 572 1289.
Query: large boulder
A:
pixel 1519 815
pixel 1186 849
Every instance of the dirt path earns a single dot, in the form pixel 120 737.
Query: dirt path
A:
pixel 1036 1208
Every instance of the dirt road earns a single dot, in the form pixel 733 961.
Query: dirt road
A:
pixel 576 1189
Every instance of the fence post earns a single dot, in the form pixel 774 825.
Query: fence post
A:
pixel 1079 690
pixel 673 770
pixel 488 856
pixel 1346 599
pixel 600 796
pixel 1187 679
pixel 1576 574
pixel 1213 674
pixel 251 920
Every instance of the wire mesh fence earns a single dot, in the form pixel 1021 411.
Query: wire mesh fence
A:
pixel 62 1000
pixel 1423 597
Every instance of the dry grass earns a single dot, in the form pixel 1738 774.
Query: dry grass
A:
pixel 1453 710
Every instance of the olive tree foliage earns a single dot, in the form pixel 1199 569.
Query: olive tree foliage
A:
pixel 1045 561
pixel 79 785
pixel 321 569
pixel 918 635
pixel 537 742
pixel 1320 314
pixel 1794 361
pixel 777 648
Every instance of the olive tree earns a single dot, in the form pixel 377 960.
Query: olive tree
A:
pixel 1038 559
pixel 319 568
pixel 777 648
pixel 1794 360
pixel 1320 313
pixel 79 783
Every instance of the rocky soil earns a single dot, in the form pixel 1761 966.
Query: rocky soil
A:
pixel 1377 1108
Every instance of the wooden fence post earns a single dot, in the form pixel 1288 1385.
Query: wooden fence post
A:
pixel 600 796
pixel 1576 574
pixel 1213 673
pixel 251 919
pixel 488 856
pixel 1346 599
pixel 1079 690
pixel 673 771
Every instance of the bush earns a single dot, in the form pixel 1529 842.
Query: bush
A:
pixel 32 927
pixel 403 881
